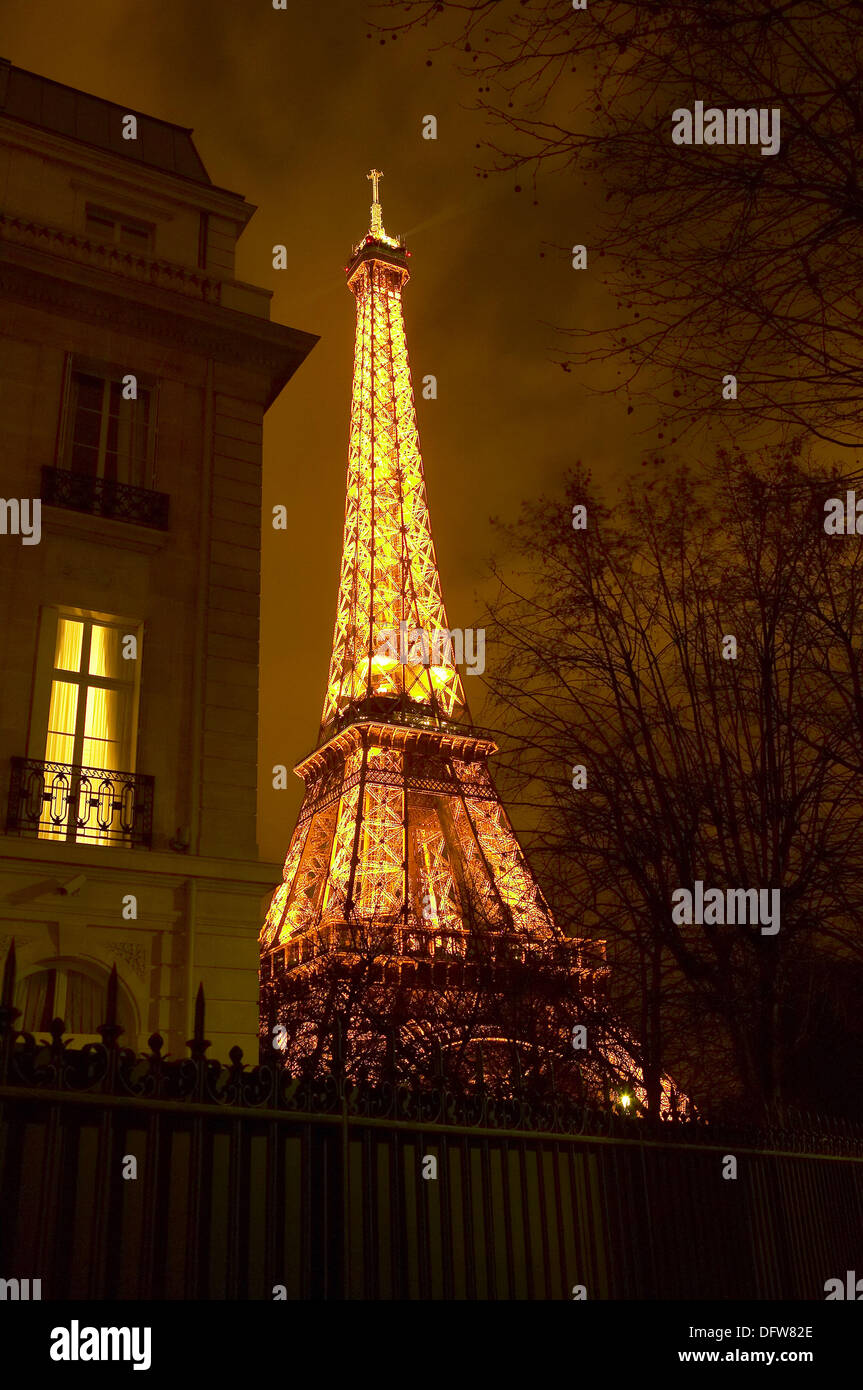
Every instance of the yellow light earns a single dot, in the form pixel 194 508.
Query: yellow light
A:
pixel 401 828
pixel 389 569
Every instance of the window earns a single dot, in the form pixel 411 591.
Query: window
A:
pixel 108 437
pixel 78 781
pixel 92 720
pixel 78 998
pixel 115 228
pixel 92 696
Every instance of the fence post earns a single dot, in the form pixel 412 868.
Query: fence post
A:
pixel 8 1013
pixel 198 1044
pixel 110 1030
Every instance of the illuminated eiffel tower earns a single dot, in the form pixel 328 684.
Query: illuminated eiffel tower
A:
pixel 403 853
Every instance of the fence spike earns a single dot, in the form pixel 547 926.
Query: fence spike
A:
pixel 198 1044
pixel 7 994
pixel 8 1013
pixel 110 1030
pixel 199 1013
pixel 111 1016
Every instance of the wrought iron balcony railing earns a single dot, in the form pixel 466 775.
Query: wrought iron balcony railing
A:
pixel 91 805
pixel 121 501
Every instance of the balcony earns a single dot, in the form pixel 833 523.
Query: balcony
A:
pixel 78 492
pixel 84 805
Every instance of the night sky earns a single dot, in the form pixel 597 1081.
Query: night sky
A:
pixel 291 108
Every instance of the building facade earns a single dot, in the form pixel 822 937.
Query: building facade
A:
pixel 135 372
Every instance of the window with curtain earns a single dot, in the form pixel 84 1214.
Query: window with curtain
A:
pixel 108 437
pixel 78 999
pixel 91 718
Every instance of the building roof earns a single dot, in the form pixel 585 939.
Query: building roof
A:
pixel 38 101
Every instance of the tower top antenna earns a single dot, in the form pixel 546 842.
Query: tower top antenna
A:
pixel 376 225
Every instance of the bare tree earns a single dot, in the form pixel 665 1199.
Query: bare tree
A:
pixel 697 653
pixel 720 260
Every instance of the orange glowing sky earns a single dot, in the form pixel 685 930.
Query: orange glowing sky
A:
pixel 291 108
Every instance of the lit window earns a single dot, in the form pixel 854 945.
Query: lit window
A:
pixel 92 713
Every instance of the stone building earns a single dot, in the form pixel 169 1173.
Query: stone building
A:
pixel 135 372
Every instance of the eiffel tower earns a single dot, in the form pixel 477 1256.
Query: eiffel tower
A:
pixel 403 854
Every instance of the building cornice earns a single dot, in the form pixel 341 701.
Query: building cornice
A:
pixel 102 862
pixel 142 310
pixel 103 530
pixel 80 158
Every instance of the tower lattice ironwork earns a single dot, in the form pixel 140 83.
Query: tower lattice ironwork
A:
pixel 403 857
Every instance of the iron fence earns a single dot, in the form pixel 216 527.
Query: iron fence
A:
pixel 252 1184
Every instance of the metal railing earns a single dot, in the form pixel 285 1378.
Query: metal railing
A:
pixel 65 801
pixel 79 492
pixel 251 1180
pixel 391 939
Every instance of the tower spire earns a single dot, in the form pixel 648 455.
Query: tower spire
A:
pixel 376 225
pixel 391 649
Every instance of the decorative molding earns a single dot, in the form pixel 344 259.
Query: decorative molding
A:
pixel 20 943
pixel 147 311
pixel 164 209
pixel 133 955
pixel 132 265
pixel 102 530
